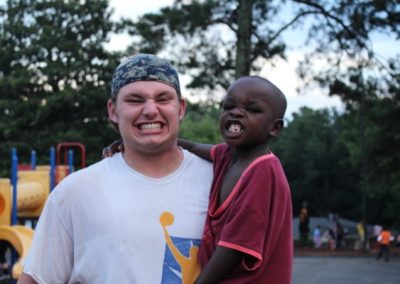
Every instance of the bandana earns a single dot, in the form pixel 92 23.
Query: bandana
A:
pixel 144 67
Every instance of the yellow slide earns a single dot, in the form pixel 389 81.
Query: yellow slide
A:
pixel 20 238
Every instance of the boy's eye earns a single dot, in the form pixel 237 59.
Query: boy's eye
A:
pixel 227 106
pixel 254 109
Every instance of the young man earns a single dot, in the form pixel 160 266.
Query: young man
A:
pixel 248 232
pixel 106 223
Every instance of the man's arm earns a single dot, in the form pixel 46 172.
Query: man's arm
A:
pixel 221 262
pixel 199 149
pixel 26 279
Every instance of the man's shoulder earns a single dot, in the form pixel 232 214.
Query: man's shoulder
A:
pixel 194 160
pixel 90 176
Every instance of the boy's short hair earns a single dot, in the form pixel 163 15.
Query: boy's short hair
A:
pixel 144 67
pixel 277 96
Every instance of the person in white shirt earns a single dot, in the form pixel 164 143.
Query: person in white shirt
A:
pixel 117 220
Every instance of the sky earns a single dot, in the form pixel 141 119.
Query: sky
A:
pixel 282 75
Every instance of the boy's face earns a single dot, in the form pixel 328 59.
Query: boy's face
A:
pixel 148 115
pixel 248 117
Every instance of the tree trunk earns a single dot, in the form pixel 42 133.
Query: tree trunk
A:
pixel 243 46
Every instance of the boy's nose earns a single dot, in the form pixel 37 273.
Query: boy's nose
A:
pixel 236 112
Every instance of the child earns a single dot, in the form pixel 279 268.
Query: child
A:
pixel 248 231
pixel 384 239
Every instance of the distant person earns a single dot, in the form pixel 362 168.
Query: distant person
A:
pixel 377 231
pixel 304 226
pixel 107 223
pixel 384 239
pixel 248 232
pixel 361 234
pixel 326 238
pixel 317 236
pixel 340 234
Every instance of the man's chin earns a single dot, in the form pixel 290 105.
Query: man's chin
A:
pixel 154 148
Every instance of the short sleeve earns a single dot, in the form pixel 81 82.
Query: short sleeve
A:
pixel 50 258
pixel 217 151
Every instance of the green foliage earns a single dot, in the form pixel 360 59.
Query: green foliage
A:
pixel 323 159
pixel 54 76
pixel 201 38
pixel 315 162
pixel 201 124
pixel 213 43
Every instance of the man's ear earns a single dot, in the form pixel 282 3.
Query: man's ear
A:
pixel 182 109
pixel 277 127
pixel 112 116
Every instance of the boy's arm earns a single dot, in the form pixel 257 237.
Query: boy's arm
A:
pixel 26 279
pixel 199 149
pixel 221 262
pixel 114 147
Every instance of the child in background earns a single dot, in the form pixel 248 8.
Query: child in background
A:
pixel 384 239
pixel 248 231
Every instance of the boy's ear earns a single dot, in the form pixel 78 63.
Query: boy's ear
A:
pixel 277 127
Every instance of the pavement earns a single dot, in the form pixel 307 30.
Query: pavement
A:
pixel 345 270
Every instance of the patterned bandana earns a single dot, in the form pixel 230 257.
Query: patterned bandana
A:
pixel 144 67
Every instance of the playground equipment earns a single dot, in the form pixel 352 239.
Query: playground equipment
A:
pixel 23 197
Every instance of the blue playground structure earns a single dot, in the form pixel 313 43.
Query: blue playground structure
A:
pixel 22 199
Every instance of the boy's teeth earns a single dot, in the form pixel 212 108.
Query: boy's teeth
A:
pixel 236 128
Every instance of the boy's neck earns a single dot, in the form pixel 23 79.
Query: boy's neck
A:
pixel 250 153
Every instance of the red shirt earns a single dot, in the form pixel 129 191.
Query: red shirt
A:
pixel 255 219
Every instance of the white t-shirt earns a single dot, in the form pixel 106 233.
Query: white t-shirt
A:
pixel 103 224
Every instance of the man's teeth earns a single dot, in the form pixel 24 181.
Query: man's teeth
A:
pixel 150 126
pixel 235 128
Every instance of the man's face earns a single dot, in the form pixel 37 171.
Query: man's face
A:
pixel 148 115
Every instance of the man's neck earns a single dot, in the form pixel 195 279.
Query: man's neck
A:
pixel 155 165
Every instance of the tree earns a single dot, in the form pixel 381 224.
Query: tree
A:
pixel 54 76
pixel 379 158
pixel 317 163
pixel 209 41
pixel 214 42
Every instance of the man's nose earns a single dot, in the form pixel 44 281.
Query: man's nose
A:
pixel 150 108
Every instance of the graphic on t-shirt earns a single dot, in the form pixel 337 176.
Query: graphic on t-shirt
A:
pixel 180 260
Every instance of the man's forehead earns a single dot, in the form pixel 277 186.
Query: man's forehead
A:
pixel 147 88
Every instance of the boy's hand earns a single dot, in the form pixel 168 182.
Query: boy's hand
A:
pixel 114 147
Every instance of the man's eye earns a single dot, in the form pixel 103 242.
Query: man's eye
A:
pixel 163 99
pixel 134 100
